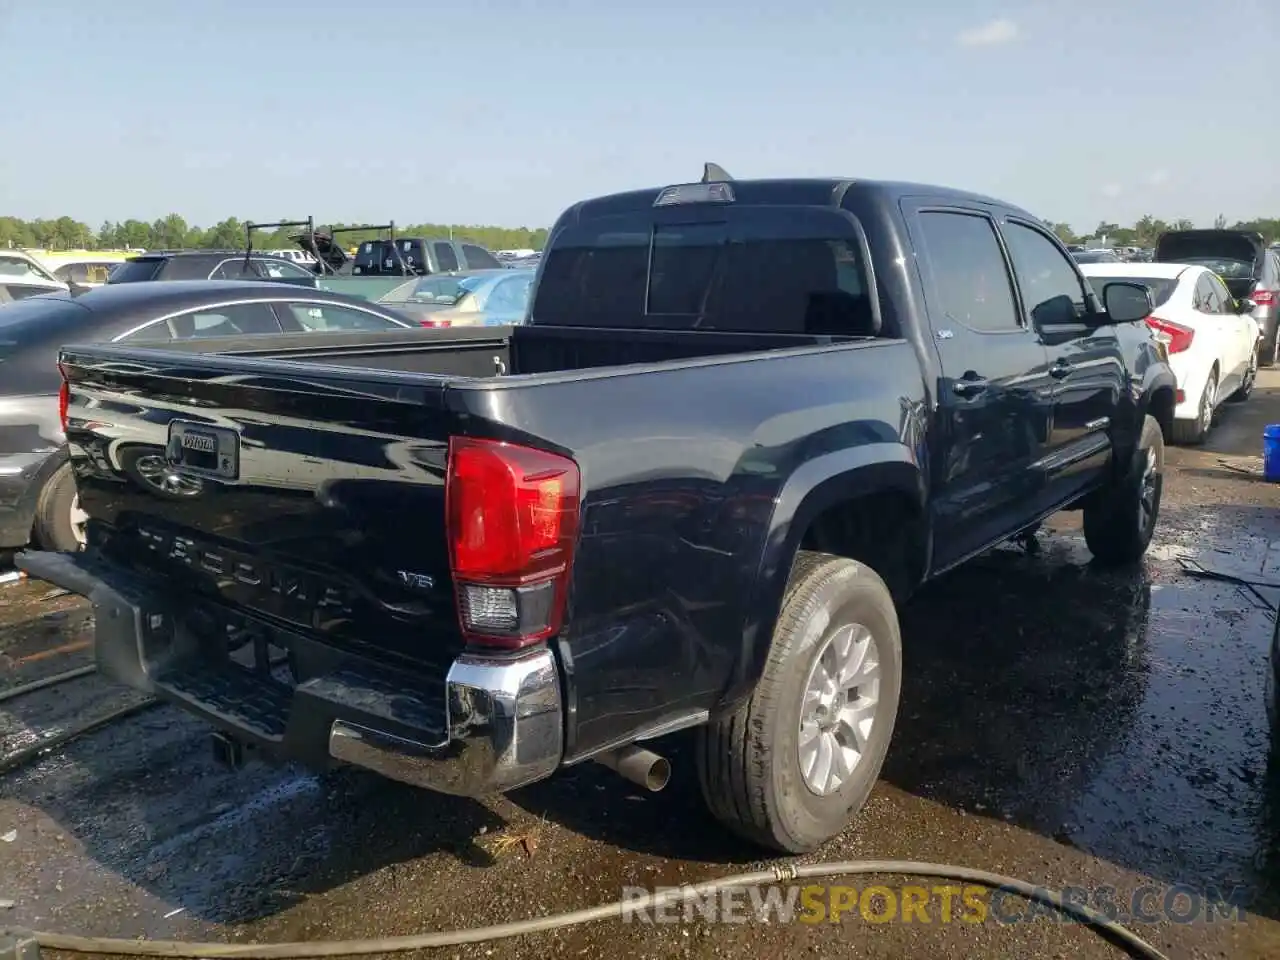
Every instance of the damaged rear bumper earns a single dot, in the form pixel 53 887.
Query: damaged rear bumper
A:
pixel 491 724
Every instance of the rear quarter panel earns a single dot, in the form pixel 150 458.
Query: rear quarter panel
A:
pixel 693 478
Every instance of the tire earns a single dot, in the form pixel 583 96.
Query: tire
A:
pixel 1250 381
pixel 54 529
pixel 1270 346
pixel 749 762
pixel 1195 432
pixel 1120 520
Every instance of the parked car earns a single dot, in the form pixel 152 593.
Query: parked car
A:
pixel 210 265
pixel 1249 270
pixel 36 490
pixel 1095 256
pixel 85 273
pixel 22 276
pixel 688 493
pixel 485 298
pixel 1212 344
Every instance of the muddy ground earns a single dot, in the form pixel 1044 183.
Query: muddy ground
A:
pixel 1063 725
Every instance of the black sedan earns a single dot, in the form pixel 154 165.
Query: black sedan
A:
pixel 211 265
pixel 37 492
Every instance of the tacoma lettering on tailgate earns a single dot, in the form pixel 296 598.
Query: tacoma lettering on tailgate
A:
pixel 295 595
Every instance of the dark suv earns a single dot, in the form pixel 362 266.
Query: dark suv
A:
pixel 211 265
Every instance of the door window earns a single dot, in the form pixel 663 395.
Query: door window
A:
pixel 232 320
pixel 330 317
pixel 235 269
pixel 970 276
pixel 446 257
pixel 1052 292
pixel 282 270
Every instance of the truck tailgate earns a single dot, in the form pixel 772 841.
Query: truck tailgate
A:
pixel 309 496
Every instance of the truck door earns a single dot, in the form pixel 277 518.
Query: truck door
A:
pixel 1087 364
pixel 994 395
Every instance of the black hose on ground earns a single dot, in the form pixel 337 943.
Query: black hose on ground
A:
pixel 1122 937
pixel 1115 933
pixel 20 758
pixel 15 692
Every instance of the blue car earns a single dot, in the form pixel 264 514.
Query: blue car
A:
pixel 483 298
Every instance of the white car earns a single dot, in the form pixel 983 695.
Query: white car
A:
pixel 21 276
pixel 1213 348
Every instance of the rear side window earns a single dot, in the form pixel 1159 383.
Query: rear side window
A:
pixel 236 269
pixel 446 257
pixel 132 271
pixel 231 320
pixel 970 278
pixel 326 317
pixel 793 270
pixel 479 258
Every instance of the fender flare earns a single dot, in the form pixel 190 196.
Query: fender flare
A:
pixel 26 506
pixel 815 486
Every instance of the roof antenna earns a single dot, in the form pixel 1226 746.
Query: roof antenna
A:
pixel 714 173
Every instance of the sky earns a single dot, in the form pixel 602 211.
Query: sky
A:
pixel 504 112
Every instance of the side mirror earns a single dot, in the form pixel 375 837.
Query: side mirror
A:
pixel 1246 305
pixel 1127 302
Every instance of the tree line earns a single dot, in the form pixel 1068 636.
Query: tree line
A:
pixel 1144 231
pixel 174 233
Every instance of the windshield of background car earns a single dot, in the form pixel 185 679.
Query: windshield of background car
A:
pixel 1227 269
pixel 21 269
pixel 753 269
pixel 133 271
pixel 1161 287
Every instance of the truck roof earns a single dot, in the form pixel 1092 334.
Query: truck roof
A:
pixel 812 191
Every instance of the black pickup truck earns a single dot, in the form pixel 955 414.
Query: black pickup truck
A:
pixel 745 419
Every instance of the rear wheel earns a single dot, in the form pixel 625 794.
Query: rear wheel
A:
pixel 1250 380
pixel 792 765
pixel 60 522
pixel 1197 431
pixel 1269 348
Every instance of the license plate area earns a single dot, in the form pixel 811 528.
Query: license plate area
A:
pixel 204 450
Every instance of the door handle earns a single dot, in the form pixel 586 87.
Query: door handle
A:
pixel 1059 369
pixel 969 388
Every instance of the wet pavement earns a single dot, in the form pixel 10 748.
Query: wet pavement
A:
pixel 1059 724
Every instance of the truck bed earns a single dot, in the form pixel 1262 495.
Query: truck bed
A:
pixel 490 351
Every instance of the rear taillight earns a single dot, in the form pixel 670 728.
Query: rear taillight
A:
pixel 64 399
pixel 435 323
pixel 512 526
pixel 1175 336
pixel 1263 298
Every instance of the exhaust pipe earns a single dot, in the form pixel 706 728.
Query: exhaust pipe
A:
pixel 640 766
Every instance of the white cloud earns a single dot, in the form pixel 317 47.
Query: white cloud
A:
pixel 989 34
pixel 1112 190
pixel 1158 178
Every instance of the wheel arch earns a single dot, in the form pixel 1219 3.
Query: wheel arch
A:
pixel 843 502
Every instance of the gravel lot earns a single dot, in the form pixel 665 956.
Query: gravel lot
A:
pixel 1060 724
